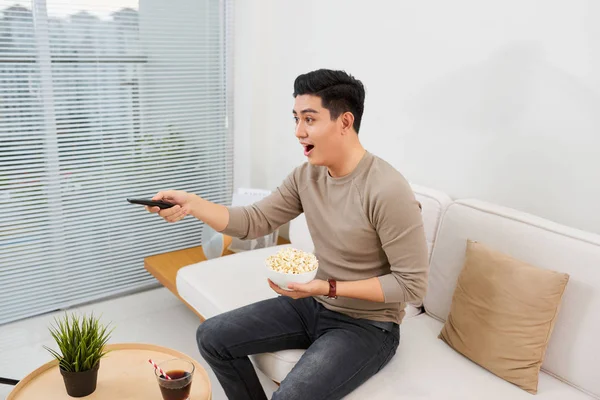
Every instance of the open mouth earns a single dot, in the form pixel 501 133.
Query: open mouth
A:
pixel 308 149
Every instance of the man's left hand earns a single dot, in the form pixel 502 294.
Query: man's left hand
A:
pixel 316 287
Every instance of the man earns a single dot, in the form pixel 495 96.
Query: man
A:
pixel 368 235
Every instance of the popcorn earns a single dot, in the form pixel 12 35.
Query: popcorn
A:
pixel 292 261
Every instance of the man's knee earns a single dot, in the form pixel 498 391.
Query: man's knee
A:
pixel 208 337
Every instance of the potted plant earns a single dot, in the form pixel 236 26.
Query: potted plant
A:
pixel 81 344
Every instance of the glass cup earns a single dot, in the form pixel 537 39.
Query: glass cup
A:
pixel 181 373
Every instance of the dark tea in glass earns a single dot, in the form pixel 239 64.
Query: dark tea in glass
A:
pixel 179 386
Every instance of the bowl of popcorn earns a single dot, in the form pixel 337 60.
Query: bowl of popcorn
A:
pixel 291 265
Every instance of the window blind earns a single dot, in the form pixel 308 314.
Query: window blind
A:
pixel 101 101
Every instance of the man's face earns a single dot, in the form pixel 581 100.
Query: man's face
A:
pixel 318 134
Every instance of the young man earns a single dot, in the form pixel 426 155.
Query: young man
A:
pixel 368 235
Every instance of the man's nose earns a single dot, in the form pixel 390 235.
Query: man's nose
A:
pixel 300 131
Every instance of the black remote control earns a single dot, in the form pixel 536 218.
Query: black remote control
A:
pixel 152 203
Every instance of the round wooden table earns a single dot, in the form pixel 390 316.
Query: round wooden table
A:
pixel 124 374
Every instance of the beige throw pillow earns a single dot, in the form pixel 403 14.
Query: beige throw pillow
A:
pixel 502 314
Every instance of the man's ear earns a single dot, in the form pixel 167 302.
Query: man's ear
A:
pixel 347 119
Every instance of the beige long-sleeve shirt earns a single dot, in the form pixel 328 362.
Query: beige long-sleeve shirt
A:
pixel 363 225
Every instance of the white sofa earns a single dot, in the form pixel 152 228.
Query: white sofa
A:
pixel 424 367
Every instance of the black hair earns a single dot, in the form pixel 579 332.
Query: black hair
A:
pixel 339 92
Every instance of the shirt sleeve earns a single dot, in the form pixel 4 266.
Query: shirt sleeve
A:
pixel 399 224
pixel 268 214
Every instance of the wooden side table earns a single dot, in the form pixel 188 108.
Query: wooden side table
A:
pixel 124 374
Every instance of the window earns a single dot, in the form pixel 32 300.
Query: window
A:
pixel 100 101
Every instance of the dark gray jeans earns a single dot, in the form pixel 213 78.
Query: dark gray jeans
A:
pixel 343 352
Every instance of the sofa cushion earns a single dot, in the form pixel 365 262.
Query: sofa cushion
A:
pixel 424 367
pixel 574 348
pixel 502 314
pixel 226 283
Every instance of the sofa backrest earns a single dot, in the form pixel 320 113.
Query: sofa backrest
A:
pixel 433 203
pixel 300 235
pixel 574 349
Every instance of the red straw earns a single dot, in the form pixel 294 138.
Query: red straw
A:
pixel 159 369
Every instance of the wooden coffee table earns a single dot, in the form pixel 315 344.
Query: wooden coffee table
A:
pixel 124 374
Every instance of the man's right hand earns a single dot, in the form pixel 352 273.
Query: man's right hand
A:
pixel 215 215
pixel 184 203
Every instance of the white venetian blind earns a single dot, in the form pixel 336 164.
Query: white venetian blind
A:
pixel 101 100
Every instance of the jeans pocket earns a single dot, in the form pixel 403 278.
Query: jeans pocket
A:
pixel 387 359
pixel 389 350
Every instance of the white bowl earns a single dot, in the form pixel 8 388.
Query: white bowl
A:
pixel 283 279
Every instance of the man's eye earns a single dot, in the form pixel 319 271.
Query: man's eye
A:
pixel 309 120
pixel 296 119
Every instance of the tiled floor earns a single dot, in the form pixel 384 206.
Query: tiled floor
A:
pixel 155 316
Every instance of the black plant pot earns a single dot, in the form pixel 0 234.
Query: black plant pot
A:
pixel 80 384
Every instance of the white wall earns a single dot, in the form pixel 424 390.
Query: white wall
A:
pixel 495 100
